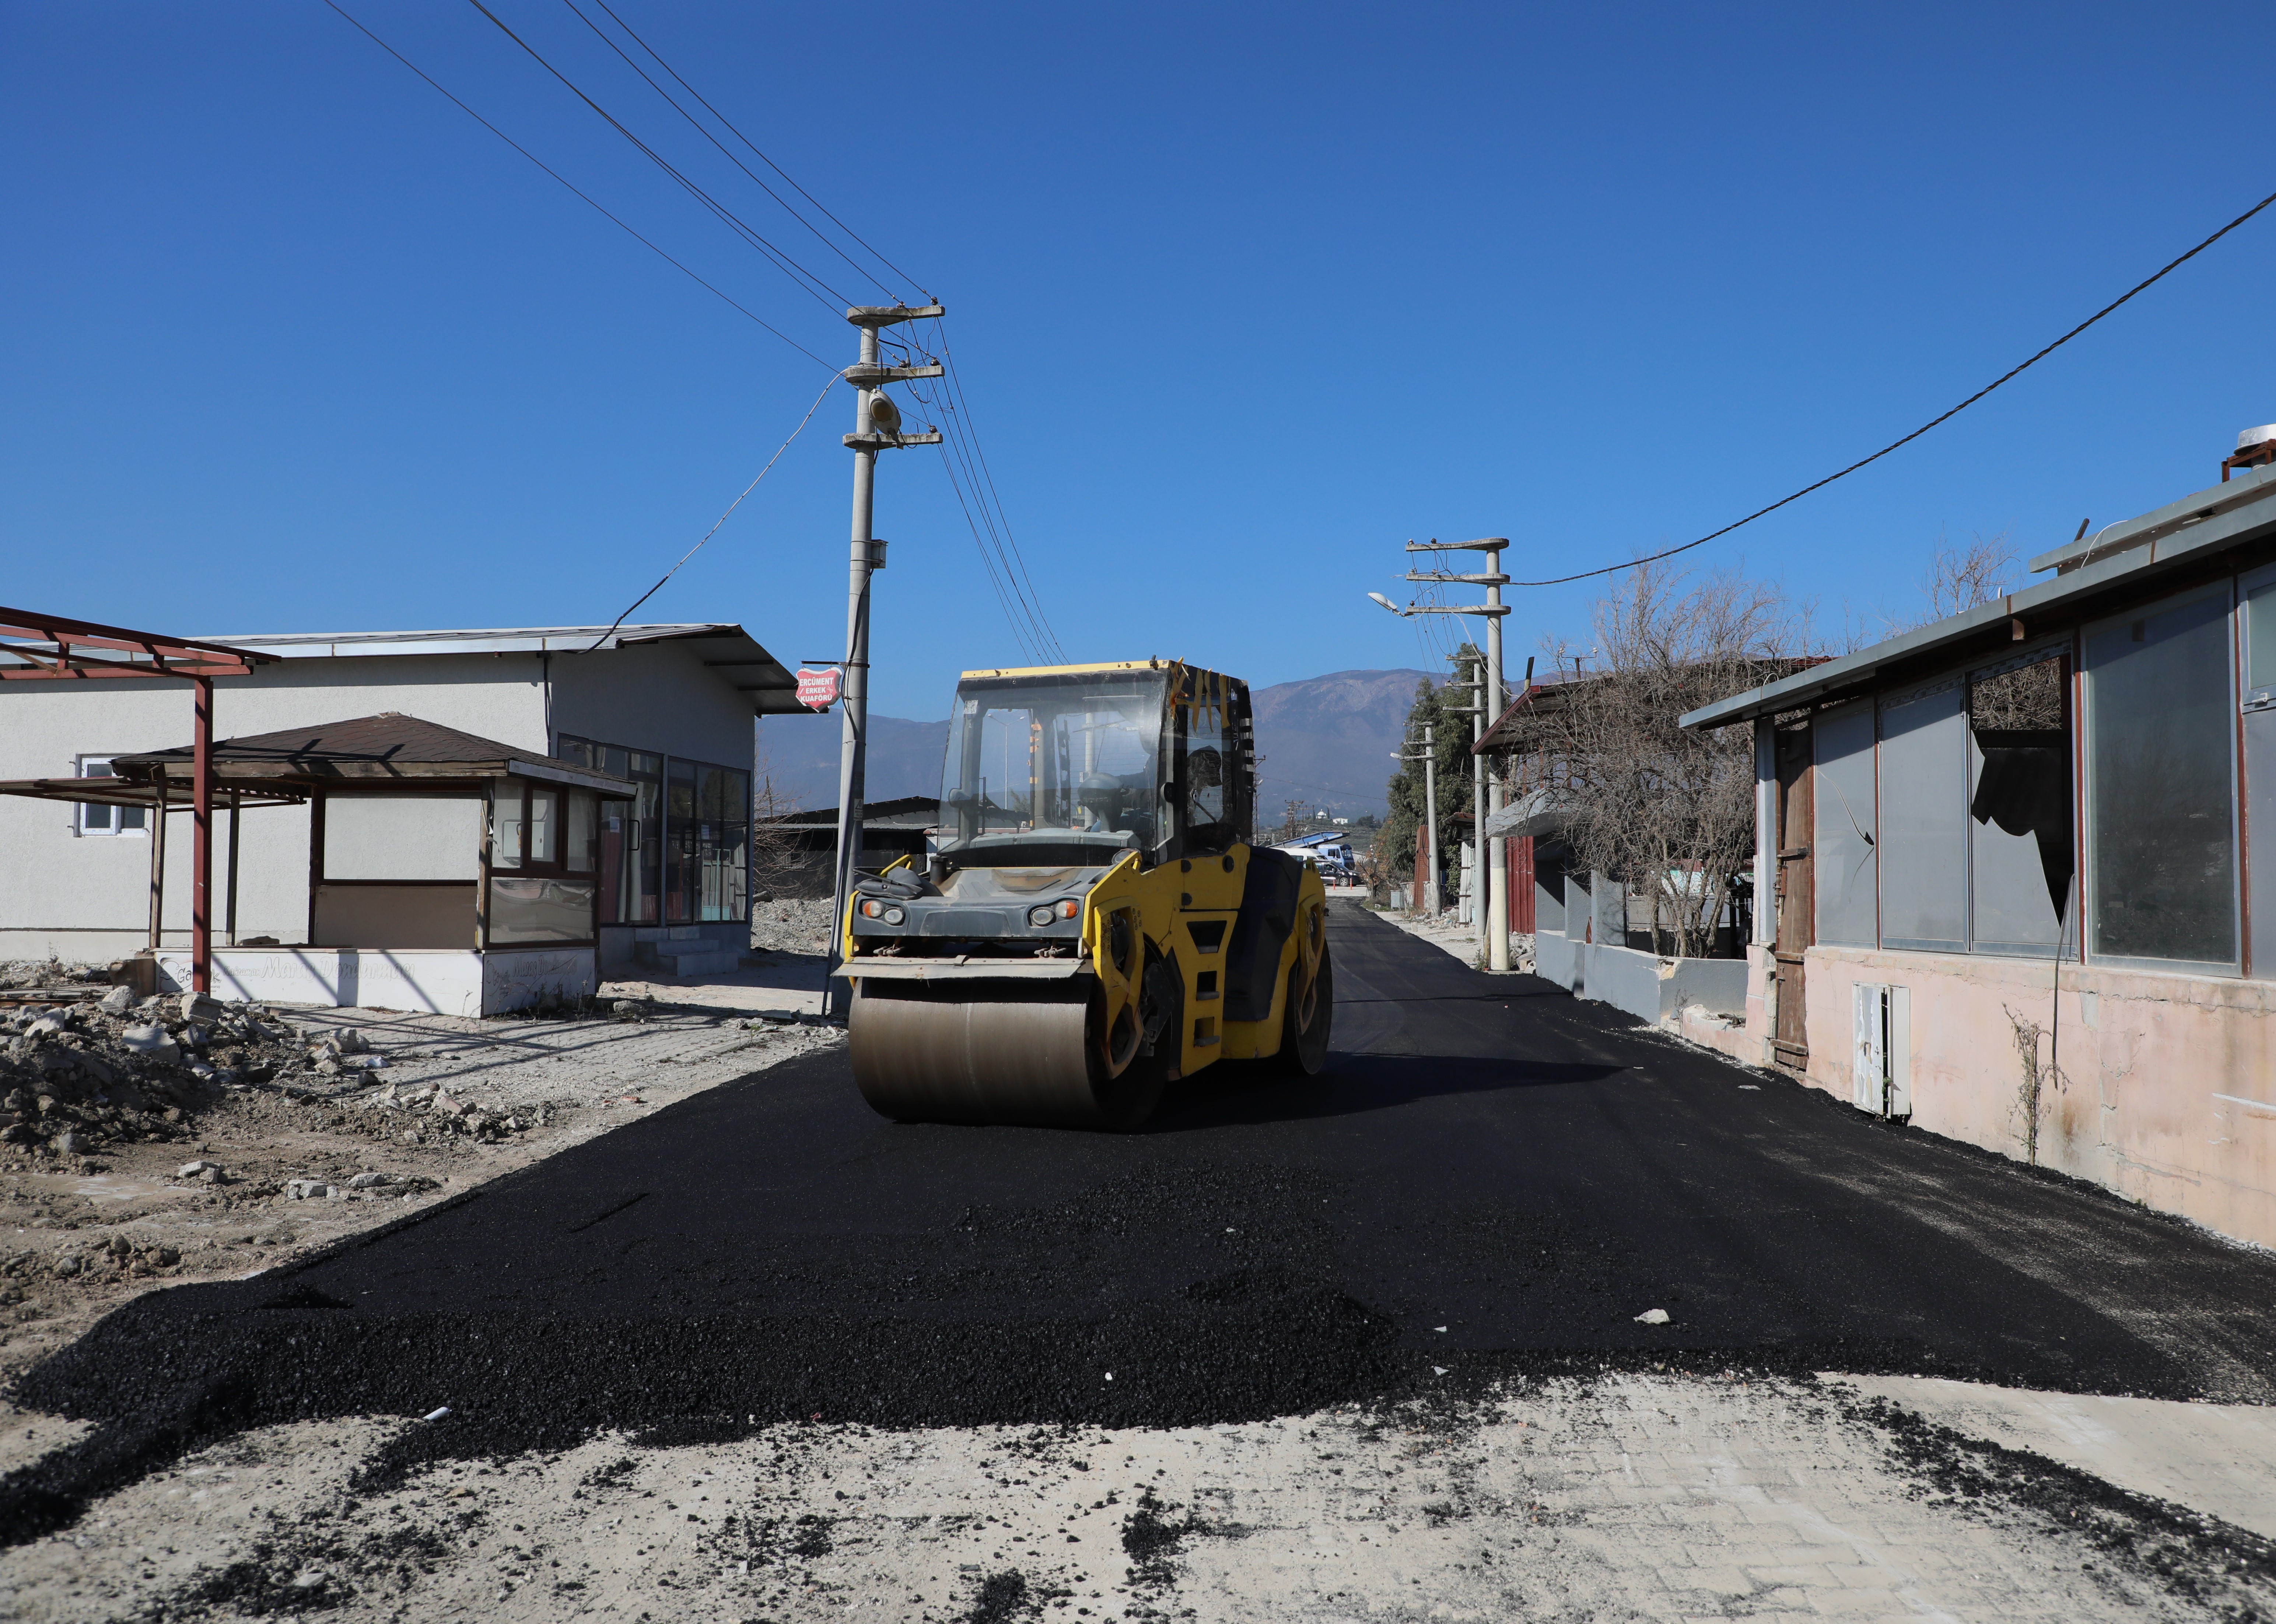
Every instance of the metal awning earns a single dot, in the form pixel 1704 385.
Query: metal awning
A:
pixel 366 754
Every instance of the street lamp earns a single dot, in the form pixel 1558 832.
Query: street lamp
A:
pixel 1386 603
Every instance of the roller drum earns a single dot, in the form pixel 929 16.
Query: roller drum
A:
pixel 1001 1053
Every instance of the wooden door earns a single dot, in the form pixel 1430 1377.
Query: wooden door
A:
pixel 1796 899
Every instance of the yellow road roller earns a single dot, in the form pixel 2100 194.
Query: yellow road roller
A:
pixel 1093 922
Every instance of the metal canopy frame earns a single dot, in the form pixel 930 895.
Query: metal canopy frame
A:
pixel 42 648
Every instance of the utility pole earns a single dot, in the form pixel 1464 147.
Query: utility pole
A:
pixel 876 426
pixel 1481 914
pixel 1493 609
pixel 1430 841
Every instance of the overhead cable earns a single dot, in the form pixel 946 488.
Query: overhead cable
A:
pixel 580 195
pixel 805 279
pixel 948 357
pixel 698 125
pixel 714 530
pixel 790 179
pixel 2159 275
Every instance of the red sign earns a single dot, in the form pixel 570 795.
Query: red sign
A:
pixel 817 690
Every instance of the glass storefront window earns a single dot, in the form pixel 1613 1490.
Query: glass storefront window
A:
pixel 630 833
pixel 680 853
pixel 723 841
pixel 683 872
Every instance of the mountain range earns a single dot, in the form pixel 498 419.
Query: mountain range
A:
pixel 1326 742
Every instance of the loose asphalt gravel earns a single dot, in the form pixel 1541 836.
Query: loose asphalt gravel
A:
pixel 1493 1180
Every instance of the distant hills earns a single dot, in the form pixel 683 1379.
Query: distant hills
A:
pixel 1326 742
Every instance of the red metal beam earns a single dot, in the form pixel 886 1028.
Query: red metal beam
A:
pixel 201 841
pixel 159 657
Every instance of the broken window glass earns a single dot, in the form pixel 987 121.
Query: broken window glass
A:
pixel 2161 821
pixel 2019 806
pixel 1923 825
pixel 1846 861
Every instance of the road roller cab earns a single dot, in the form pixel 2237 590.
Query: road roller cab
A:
pixel 1093 922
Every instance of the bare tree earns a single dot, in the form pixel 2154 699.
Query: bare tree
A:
pixel 1670 813
pixel 1975 572
pixel 778 859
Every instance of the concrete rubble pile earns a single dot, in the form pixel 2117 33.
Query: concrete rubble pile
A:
pixel 434 1113
pixel 76 1076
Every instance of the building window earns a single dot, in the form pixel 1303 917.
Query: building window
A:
pixel 1843 817
pixel 707 843
pixel 724 842
pixel 630 851
pixel 2161 816
pixel 2019 806
pixel 1924 823
pixel 95 818
pixel 537 895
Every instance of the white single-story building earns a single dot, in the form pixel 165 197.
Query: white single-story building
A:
pixel 666 712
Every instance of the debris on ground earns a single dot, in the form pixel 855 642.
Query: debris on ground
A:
pixel 790 925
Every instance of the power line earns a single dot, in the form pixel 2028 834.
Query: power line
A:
pixel 959 437
pixel 698 126
pixel 762 158
pixel 949 357
pixel 782 261
pixel 2159 275
pixel 581 196
pixel 714 530
pixel 964 437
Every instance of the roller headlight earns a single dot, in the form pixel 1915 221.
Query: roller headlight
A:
pixel 1040 916
pixel 871 908
pixel 894 917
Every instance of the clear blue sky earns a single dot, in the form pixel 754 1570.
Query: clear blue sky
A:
pixel 1243 297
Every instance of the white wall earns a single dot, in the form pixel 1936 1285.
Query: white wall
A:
pixel 659 697
pixel 403 836
pixel 88 897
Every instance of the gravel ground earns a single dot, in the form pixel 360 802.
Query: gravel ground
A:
pixel 1658 1497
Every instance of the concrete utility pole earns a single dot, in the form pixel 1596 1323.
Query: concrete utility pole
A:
pixel 1493 609
pixel 1430 841
pixel 876 426
pixel 1480 913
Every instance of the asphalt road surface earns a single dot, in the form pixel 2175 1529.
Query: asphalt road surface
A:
pixel 1491 1180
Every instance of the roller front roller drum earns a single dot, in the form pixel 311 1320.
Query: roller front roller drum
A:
pixel 997 1053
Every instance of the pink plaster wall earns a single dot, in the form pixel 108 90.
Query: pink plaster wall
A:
pixel 2166 1090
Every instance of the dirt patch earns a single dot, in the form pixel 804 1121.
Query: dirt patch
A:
pixel 257 1175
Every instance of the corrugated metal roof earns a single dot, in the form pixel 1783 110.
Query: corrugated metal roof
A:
pixel 2162 543
pixel 737 657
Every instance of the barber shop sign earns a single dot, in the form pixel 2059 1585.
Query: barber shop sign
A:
pixel 817 690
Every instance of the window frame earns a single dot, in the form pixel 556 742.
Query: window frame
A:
pixel 2089 832
pixel 2063 648
pixel 1913 693
pixel 115 814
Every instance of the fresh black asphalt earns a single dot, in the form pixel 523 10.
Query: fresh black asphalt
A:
pixel 1492 1180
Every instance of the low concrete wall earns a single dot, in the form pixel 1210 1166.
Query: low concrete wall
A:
pixel 1557 957
pixel 432 981
pixel 2163 1087
pixel 1648 987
